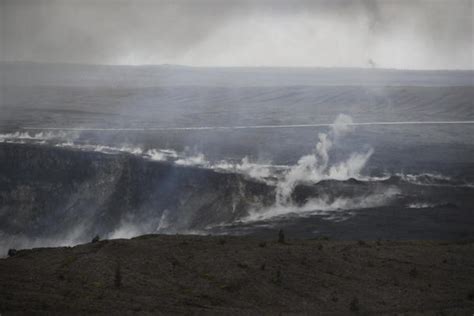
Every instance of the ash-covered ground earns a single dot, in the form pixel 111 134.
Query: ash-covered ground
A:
pixel 163 275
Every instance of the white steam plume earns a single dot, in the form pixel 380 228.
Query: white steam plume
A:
pixel 315 167
pixel 325 205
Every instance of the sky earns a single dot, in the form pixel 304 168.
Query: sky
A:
pixel 402 34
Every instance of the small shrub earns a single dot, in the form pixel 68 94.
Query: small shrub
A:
pixel 234 286
pixel 304 261
pixel 242 265
pixel 175 262
pixel 118 276
pixel 278 278
pixel 354 306
pixel 281 236
pixel 396 282
pixel 470 295
pixel 414 273
pixel 95 239
pixel 68 261
pixel 207 276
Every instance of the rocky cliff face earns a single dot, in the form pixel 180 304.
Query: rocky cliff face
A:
pixel 48 192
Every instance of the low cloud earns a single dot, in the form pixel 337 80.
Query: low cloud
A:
pixel 419 34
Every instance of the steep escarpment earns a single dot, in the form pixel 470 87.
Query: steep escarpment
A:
pixel 48 192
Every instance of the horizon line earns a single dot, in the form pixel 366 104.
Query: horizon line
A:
pixel 205 128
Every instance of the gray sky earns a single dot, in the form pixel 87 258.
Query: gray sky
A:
pixel 408 34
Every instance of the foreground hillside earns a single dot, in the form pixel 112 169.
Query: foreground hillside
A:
pixel 156 274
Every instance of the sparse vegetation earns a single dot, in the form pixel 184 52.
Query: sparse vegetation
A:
pixel 160 276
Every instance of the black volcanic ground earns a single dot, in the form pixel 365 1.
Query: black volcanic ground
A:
pixel 157 274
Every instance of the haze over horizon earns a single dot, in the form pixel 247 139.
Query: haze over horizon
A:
pixel 421 34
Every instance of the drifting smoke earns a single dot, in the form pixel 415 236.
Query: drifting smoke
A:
pixel 254 170
pixel 38 137
pixel 326 205
pixel 68 238
pixel 421 205
pixel 197 160
pixel 161 154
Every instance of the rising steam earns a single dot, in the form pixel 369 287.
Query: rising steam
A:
pixel 316 166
